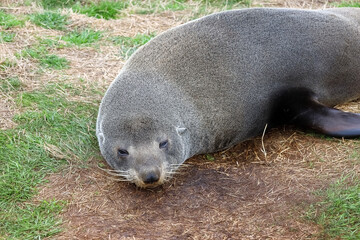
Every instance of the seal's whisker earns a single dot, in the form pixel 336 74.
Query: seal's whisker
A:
pixel 170 173
pixel 118 179
pixel 121 180
pixel 180 164
pixel 177 169
pixel 120 171
pixel 173 172
pixel 123 176
pixel 118 175
pixel 113 170
pixel 183 167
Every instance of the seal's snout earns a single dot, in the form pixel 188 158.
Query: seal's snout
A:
pixel 150 177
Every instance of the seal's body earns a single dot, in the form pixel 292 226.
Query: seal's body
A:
pixel 213 82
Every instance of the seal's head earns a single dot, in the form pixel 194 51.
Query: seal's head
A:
pixel 139 151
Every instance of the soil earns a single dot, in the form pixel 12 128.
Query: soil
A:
pixel 241 194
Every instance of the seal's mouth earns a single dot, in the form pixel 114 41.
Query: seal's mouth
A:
pixel 149 178
pixel 148 185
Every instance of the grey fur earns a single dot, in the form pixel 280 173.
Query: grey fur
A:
pixel 216 76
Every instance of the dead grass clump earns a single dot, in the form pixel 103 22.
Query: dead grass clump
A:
pixel 6 112
pixel 304 4
pixel 129 26
pixel 93 65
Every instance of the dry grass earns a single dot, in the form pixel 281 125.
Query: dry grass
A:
pixel 243 194
pixel 6 112
pixel 305 4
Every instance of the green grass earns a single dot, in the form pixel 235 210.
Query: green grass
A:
pixel 10 84
pixel 52 43
pixel 209 6
pixel 226 5
pixel 128 45
pixel 9 20
pixel 348 4
pixel 6 36
pixel 148 7
pixel 339 214
pixel 47 119
pixel 50 20
pixel 199 8
pixel 54 4
pixel 103 9
pixel 84 37
pixel 6 64
pixel 55 62
pixel 41 54
pixel 175 5
pixel 31 221
pixel 36 52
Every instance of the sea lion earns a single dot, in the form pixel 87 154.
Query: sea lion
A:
pixel 211 83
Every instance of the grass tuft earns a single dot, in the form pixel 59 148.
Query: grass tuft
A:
pixel 149 7
pixel 51 43
pixel 36 52
pixel 103 9
pixel 40 53
pixel 6 64
pixel 55 62
pixel 84 37
pixel 9 84
pixel 48 121
pixel 348 4
pixel 9 20
pixel 339 214
pixel 31 221
pixel 128 45
pixel 50 20
pixel 53 4
pixel 6 36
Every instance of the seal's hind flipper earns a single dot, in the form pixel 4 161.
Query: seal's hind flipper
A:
pixel 301 108
pixel 330 121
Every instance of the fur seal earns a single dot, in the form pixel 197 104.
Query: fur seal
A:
pixel 213 82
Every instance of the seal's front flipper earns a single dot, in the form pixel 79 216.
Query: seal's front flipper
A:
pixel 301 108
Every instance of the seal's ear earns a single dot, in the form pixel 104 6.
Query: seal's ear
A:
pixel 101 138
pixel 180 130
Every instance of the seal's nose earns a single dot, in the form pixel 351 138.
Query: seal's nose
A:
pixel 150 177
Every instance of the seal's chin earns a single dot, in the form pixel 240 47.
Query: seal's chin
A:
pixel 150 176
pixel 141 184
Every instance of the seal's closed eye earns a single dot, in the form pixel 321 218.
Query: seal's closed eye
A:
pixel 164 144
pixel 123 153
